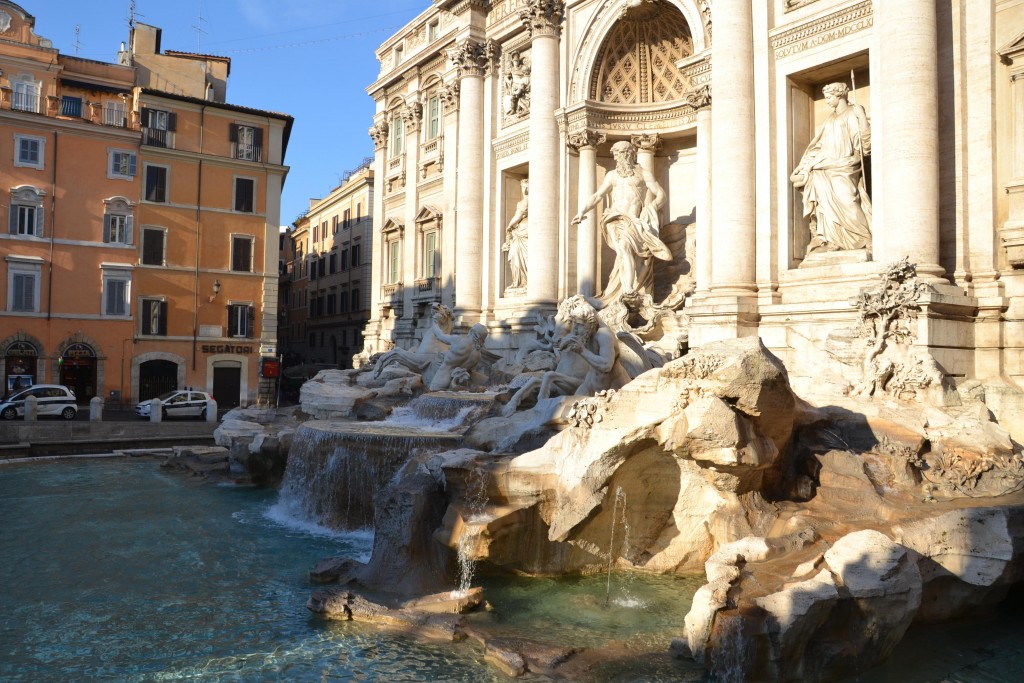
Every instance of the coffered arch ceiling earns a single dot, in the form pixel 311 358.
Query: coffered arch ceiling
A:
pixel 636 63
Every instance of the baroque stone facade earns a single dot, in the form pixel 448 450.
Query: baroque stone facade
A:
pixel 541 90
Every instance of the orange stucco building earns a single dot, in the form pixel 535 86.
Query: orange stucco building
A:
pixel 141 246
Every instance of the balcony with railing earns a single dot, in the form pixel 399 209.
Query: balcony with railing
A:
pixel 427 289
pixel 71 107
pixel 25 101
pixel 156 137
pixel 391 295
pixel 115 115
pixel 247 151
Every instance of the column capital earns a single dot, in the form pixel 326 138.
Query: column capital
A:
pixel 472 57
pixel 700 97
pixel 412 114
pixel 543 17
pixel 449 94
pixel 379 133
pixel 584 138
pixel 646 142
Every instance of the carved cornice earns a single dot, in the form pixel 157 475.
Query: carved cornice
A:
pixel 699 98
pixel 823 30
pixel 584 138
pixel 472 57
pixel 513 144
pixel 449 93
pixel 673 118
pixel 646 142
pixel 461 6
pixel 543 17
pixel 796 4
pixel 379 133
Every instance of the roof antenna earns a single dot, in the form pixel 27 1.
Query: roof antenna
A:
pixel 78 34
pixel 199 29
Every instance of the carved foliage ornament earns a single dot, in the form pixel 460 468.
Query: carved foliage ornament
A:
pixel 585 138
pixel 412 113
pixel 471 57
pixel 449 93
pixel 699 98
pixel 543 17
pixel 379 133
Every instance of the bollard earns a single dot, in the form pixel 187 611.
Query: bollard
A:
pixel 96 409
pixel 31 409
pixel 211 410
pixel 156 410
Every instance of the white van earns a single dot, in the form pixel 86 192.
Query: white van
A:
pixel 54 399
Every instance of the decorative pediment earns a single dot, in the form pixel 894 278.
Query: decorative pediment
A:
pixel 118 204
pixel 392 226
pixel 27 194
pixel 1013 50
pixel 428 214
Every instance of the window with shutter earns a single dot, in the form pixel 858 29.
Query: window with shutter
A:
pixel 115 296
pixel 355 300
pixel 156 184
pixel 241 253
pixel 28 151
pixel 24 286
pixel 154 317
pixel 244 194
pixel 153 246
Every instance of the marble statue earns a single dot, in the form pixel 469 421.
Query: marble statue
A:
pixel 516 240
pixel 831 174
pixel 459 360
pixel 517 85
pixel 631 224
pixel 429 349
pixel 588 357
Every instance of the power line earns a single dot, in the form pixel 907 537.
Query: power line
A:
pixel 390 29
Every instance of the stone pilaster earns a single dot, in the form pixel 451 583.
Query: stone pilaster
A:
pixel 585 143
pixel 700 99
pixel 543 19
pixel 471 60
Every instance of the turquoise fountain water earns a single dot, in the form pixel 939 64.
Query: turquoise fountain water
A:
pixel 121 571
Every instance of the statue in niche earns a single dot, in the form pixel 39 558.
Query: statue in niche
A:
pixel 831 175
pixel 429 349
pixel 631 225
pixel 460 359
pixel 516 240
pixel 587 353
pixel 517 85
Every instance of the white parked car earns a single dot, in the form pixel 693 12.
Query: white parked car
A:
pixel 54 399
pixel 179 403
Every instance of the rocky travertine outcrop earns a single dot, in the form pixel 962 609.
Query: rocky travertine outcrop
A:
pixel 337 394
pixel 686 446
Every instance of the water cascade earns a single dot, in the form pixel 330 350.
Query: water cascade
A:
pixel 335 468
pixel 475 502
pixel 620 502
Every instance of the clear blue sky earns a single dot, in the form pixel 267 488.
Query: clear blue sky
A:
pixel 312 59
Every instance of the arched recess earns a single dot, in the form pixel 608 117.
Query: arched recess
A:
pixel 94 384
pixel 601 25
pixel 137 362
pixel 17 360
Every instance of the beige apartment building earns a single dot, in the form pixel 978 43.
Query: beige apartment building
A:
pixel 330 273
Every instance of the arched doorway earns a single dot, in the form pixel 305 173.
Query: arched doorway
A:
pixel 157 377
pixel 20 366
pixel 78 371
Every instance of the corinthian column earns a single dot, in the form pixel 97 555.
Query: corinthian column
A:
pixel 471 60
pixel 647 146
pixel 909 146
pixel 543 19
pixel 586 142
pixel 732 151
